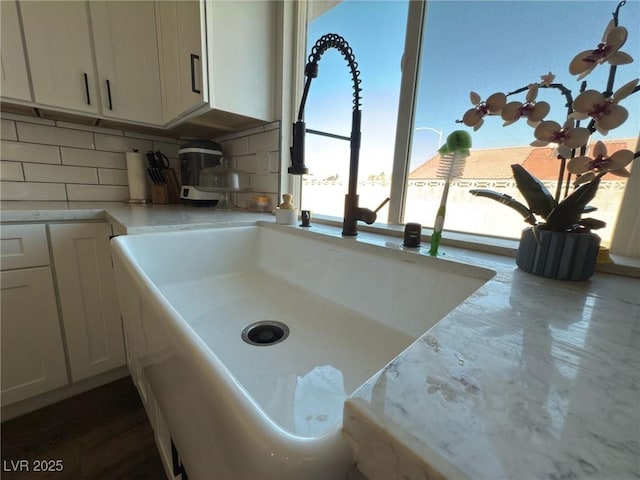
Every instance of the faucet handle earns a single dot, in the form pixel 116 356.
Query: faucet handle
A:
pixel 370 216
pixel 384 202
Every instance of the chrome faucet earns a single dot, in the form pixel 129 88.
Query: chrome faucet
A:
pixel 352 212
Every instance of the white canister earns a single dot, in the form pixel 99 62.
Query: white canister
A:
pixel 286 216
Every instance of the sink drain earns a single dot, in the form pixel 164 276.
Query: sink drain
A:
pixel 265 333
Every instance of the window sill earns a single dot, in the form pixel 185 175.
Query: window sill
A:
pixel 620 265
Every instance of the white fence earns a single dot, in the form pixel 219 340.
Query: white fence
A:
pixel 465 212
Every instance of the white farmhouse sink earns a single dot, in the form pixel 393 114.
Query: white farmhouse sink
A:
pixel 241 411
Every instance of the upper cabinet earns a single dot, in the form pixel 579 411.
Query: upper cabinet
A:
pixel 182 41
pixel 126 47
pixel 122 80
pixel 153 63
pixel 240 57
pixel 15 78
pixel 219 56
pixel 58 44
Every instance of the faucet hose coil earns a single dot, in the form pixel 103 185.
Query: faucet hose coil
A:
pixel 333 40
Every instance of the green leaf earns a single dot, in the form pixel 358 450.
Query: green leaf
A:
pixel 539 199
pixel 567 213
pixel 592 223
pixel 507 200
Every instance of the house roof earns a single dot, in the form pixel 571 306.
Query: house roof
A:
pixel 495 163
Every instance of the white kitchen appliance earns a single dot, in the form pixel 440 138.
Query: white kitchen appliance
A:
pixel 197 158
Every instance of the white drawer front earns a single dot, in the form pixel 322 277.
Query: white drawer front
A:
pixel 23 246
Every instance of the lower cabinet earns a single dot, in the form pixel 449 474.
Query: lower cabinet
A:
pixel 88 301
pixel 49 341
pixel 32 351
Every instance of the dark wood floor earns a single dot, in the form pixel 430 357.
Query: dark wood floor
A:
pixel 102 434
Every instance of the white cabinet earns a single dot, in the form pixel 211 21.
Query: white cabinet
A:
pixel 155 63
pixel 84 273
pixel 182 41
pixel 241 57
pixel 126 47
pixel 32 354
pixel 23 246
pixel 15 78
pixel 224 49
pixel 58 44
pixel 34 360
pixel 121 82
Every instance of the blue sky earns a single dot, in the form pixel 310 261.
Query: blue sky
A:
pixel 484 46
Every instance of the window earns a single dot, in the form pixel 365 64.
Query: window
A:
pixel 464 46
pixel 376 33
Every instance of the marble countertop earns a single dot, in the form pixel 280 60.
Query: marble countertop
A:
pixel 130 218
pixel 528 378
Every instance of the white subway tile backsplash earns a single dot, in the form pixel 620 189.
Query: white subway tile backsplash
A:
pixel 121 144
pixel 97 193
pixel 89 128
pixel 246 163
pixel 109 176
pixel 253 131
pixel 27 119
pixel 43 160
pixel 92 158
pixel 229 136
pixel 264 141
pixel 32 191
pixel 274 162
pixel 264 183
pixel 237 146
pixel 175 164
pixel 271 126
pixel 29 152
pixel 37 172
pixel 11 171
pixel 153 138
pixel 169 149
pixel 8 130
pixel 32 133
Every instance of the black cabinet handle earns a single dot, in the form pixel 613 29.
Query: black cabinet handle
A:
pixel 109 95
pixel 86 88
pixel 194 57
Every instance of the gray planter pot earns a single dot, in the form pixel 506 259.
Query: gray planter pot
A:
pixel 560 255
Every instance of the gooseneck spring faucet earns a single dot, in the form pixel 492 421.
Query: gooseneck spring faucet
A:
pixel 352 212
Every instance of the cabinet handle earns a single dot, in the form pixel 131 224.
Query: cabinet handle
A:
pixel 86 88
pixel 193 73
pixel 109 95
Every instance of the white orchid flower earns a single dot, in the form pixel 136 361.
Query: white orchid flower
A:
pixel 492 106
pixel 566 135
pixel 605 111
pixel 588 167
pixel 533 111
pixel 607 51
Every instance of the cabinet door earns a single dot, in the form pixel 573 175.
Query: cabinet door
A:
pixel 88 302
pixel 241 57
pixel 184 82
pixel 126 46
pixel 23 246
pixel 15 79
pixel 32 353
pixel 58 46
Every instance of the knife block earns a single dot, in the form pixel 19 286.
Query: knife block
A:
pixel 160 194
pixel 168 192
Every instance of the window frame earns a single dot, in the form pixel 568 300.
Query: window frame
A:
pixel 625 236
